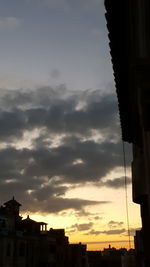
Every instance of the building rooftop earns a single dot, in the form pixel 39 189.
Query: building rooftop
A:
pixel 117 16
pixel 12 202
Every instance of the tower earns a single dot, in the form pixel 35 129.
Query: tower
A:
pixel 12 208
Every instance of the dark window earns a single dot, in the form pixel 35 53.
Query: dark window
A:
pixel 8 250
pixel 22 249
pixel 83 252
pixel 52 248
pixel 3 224
pixel 83 261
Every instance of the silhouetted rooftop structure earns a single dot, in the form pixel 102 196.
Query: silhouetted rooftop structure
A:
pixel 26 242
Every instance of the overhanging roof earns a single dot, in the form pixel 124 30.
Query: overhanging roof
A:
pixel 117 16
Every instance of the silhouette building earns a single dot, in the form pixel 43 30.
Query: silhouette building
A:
pixel 128 25
pixel 28 243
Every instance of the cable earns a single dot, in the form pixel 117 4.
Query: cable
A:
pixel 126 192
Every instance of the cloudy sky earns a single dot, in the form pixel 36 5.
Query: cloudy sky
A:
pixel 60 141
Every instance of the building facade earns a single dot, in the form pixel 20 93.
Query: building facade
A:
pixel 130 51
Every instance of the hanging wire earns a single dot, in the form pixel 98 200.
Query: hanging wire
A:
pixel 126 192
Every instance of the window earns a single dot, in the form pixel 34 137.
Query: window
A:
pixel 22 249
pixel 8 250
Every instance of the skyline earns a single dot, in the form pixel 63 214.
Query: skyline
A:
pixel 61 148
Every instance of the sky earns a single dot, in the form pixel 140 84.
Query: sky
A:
pixel 60 137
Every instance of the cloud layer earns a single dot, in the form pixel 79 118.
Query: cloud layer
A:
pixel 114 228
pixel 53 139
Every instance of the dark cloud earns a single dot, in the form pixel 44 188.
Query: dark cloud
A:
pixel 97 161
pixel 132 231
pixel 107 232
pixel 82 213
pixel 41 174
pixel 114 232
pixel 98 218
pixel 116 183
pixel 48 204
pixel 94 232
pixel 12 124
pixel 114 224
pixel 56 204
pixel 81 227
pixel 47 108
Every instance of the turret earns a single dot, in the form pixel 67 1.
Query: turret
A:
pixel 12 207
